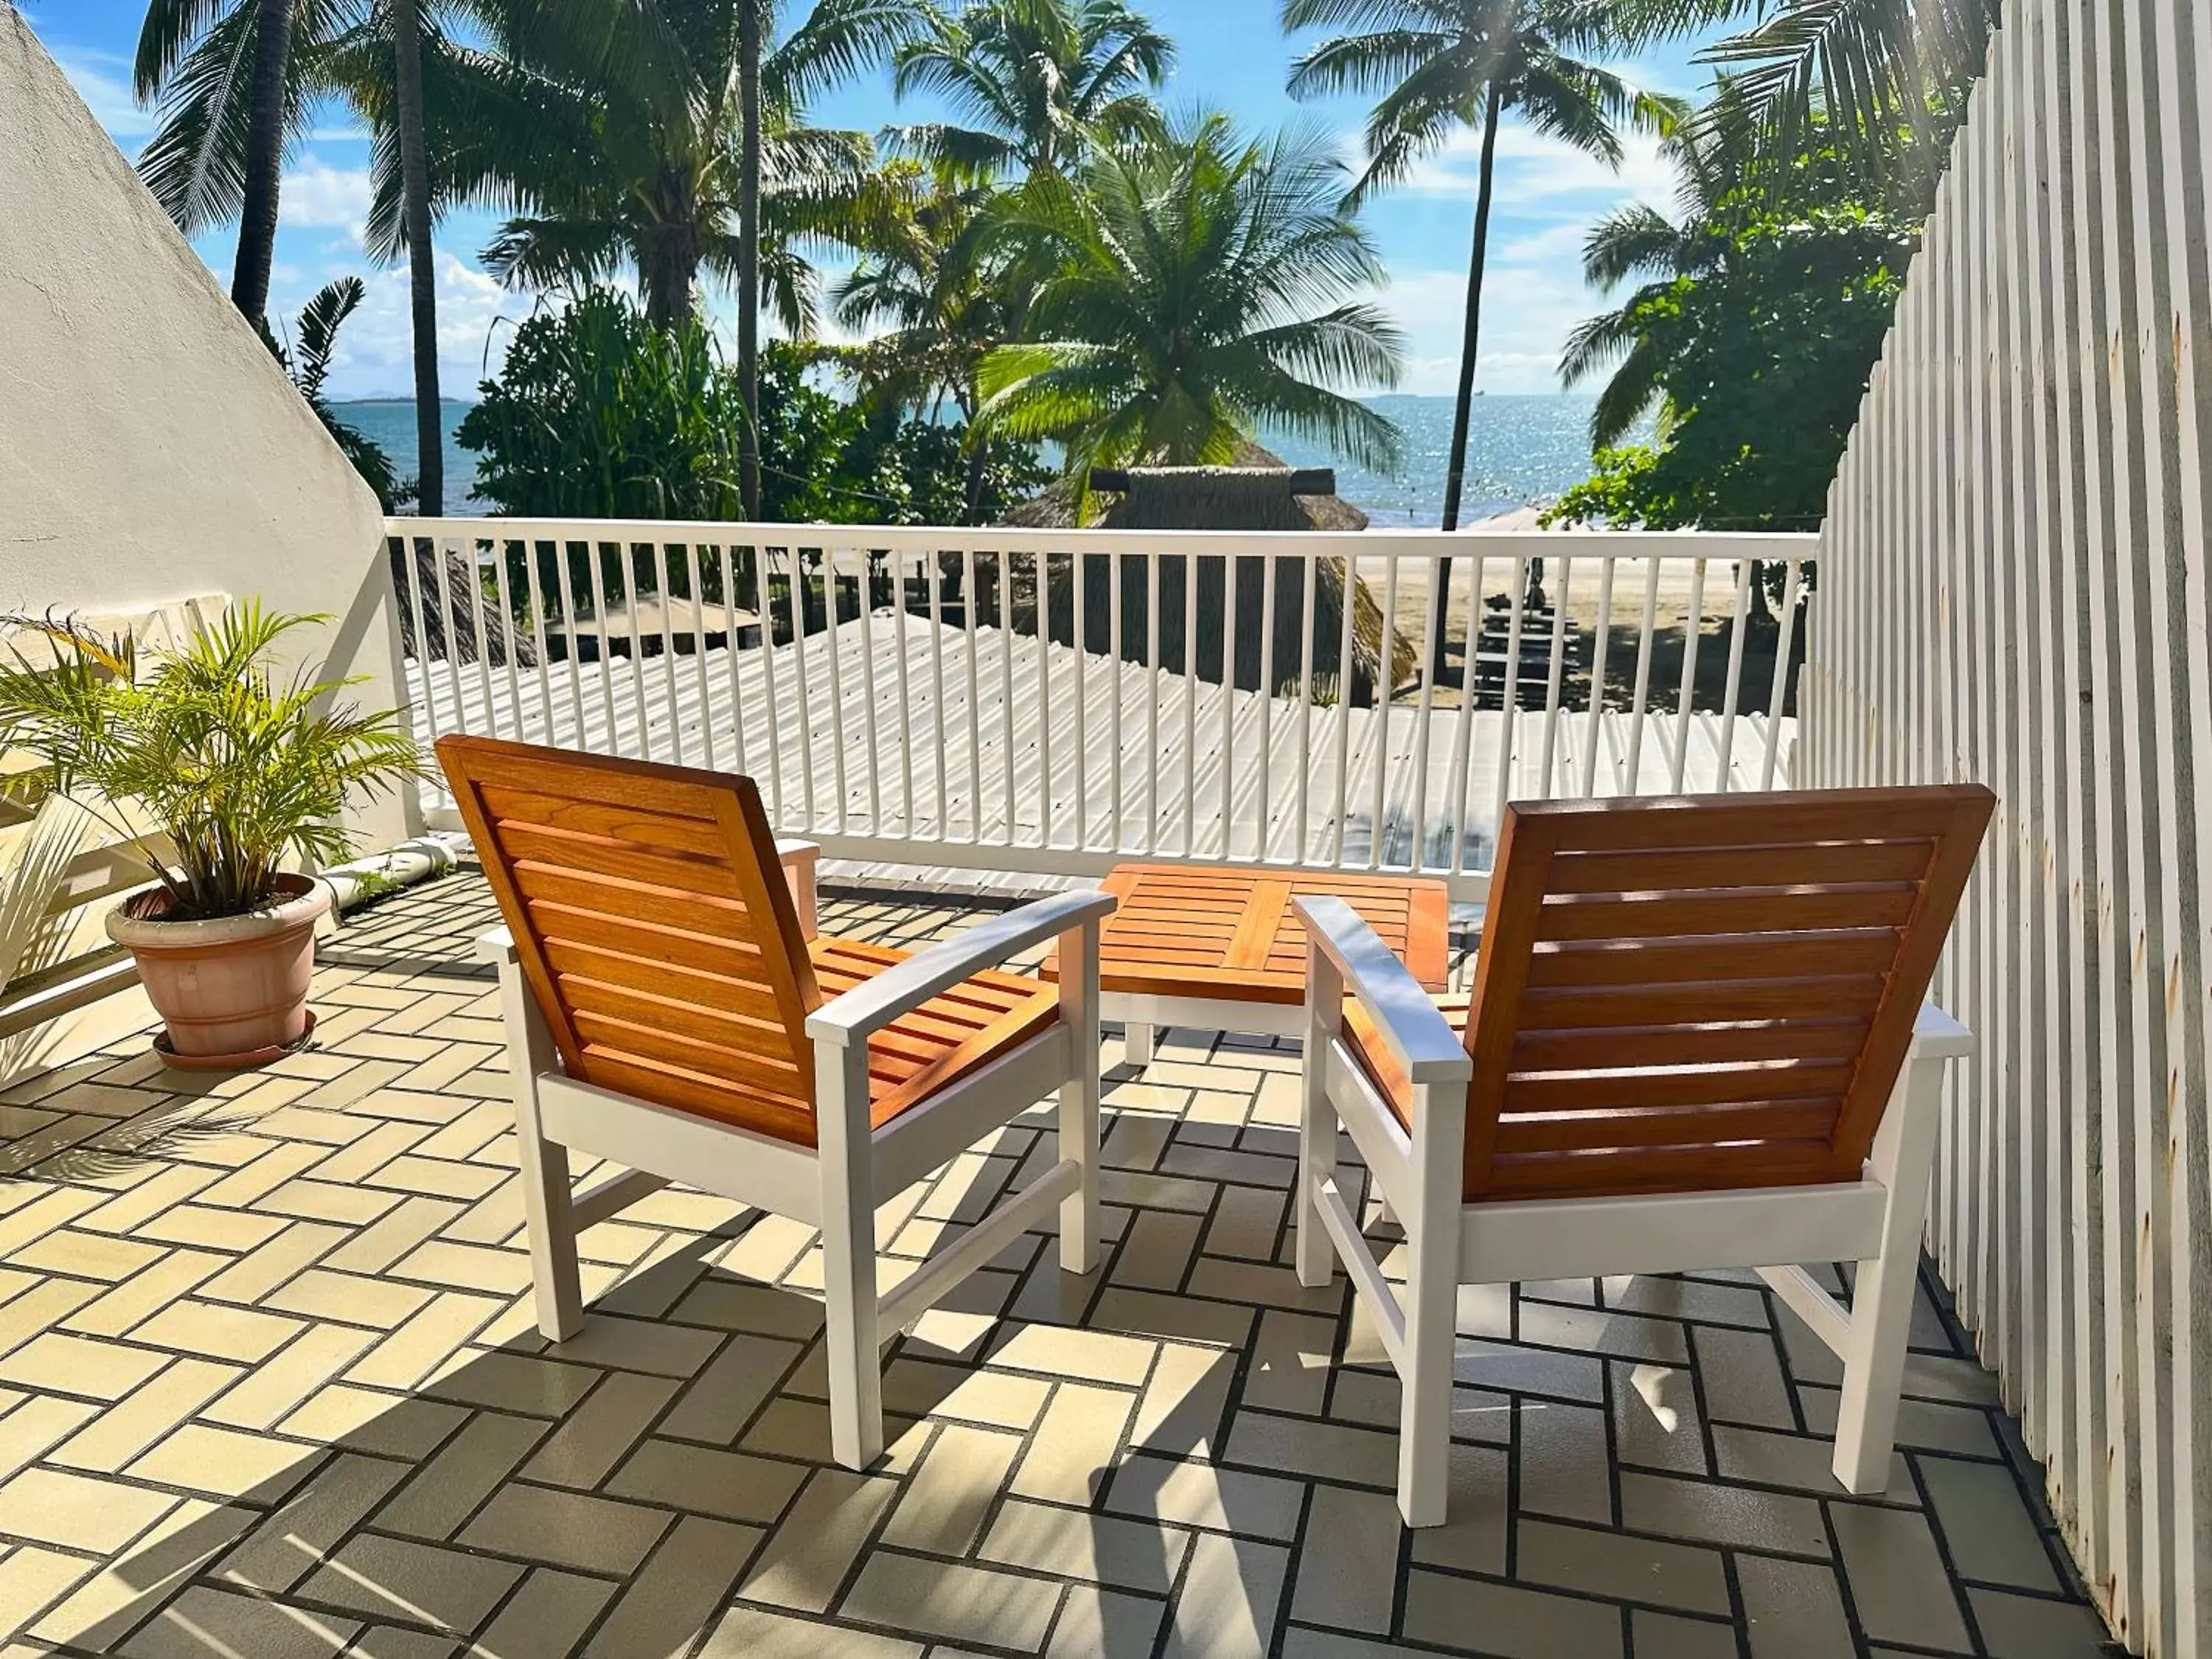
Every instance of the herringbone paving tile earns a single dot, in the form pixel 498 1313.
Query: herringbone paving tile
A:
pixel 270 1386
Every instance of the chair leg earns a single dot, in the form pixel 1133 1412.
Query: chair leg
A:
pixel 1902 1159
pixel 848 1263
pixel 1431 1216
pixel 1317 1120
pixel 1136 1043
pixel 547 1207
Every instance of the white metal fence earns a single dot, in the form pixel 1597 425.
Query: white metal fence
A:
pixel 2014 589
pixel 1048 701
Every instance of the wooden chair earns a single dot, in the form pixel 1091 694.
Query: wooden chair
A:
pixel 664 1011
pixel 1696 1040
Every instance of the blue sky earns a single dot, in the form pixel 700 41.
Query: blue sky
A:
pixel 1233 56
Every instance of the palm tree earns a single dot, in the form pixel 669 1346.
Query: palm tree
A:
pixel 1193 292
pixel 934 297
pixel 422 268
pixel 1444 66
pixel 234 81
pixel 306 363
pixel 1036 80
pixel 618 128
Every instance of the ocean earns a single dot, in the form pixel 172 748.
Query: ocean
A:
pixel 1521 451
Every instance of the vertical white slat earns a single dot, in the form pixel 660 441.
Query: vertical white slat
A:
pixel 564 555
pixel 1302 846
pixel 1639 712
pixel 537 602
pixel 1785 639
pixel 909 819
pixel 628 566
pixel 1731 696
pixel 1228 705
pixel 1116 673
pixel 464 549
pixel 1348 614
pixel 763 595
pixel 1438 569
pixel 510 632
pixel 801 685
pixel 1597 676
pixel 612 737
pixel 1190 705
pixel 1155 819
pixel 1079 755
pixel 725 570
pixel 426 709
pixel 1509 706
pixel 870 719
pixel 1555 675
pixel 1261 814
pixel 1006 750
pixel 1378 805
pixel 970 613
pixel 1463 727
pixel 833 654
pixel 662 574
pixel 941 765
pixel 1692 627
pixel 707 721
pixel 1039 590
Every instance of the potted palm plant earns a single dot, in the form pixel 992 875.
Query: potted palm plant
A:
pixel 242 768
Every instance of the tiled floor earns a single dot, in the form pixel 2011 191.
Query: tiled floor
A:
pixel 269 1387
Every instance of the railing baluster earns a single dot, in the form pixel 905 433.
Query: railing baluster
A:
pixel 664 572
pixel 725 567
pixel 412 562
pixel 764 598
pixel 971 611
pixel 833 653
pixel 1190 705
pixel 1416 858
pixel 1556 675
pixel 1348 611
pixel 1678 763
pixel 451 623
pixel 802 689
pixel 607 639
pixel 466 551
pixel 1646 647
pixel 1155 828
pixel 637 649
pixel 1517 573
pixel 537 598
pixel 1463 737
pixel 1228 705
pixel 699 653
pixel 1006 689
pixel 1780 689
pixel 1730 698
pixel 868 722
pixel 935 577
pixel 1114 646
pixel 508 632
pixel 1308 604
pixel 564 553
pixel 1082 753
pixel 1040 592
pixel 1595 725
pixel 1266 704
pixel 910 819
pixel 1381 745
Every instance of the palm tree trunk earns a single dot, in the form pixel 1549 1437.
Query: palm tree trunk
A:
pixel 1463 413
pixel 264 161
pixel 422 270
pixel 749 232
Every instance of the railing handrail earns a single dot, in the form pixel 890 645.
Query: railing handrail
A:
pixel 1390 542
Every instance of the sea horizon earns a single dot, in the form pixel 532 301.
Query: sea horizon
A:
pixel 1524 449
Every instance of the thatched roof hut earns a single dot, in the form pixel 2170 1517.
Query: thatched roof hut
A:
pixel 455 596
pixel 1259 493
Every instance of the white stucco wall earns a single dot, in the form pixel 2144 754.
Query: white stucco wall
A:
pixel 150 449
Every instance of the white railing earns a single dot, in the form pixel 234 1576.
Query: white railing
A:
pixel 1026 700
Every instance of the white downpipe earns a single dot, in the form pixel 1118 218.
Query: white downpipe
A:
pixel 353 883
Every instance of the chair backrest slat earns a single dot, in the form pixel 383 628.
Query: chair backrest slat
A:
pixel 1705 992
pixel 654 923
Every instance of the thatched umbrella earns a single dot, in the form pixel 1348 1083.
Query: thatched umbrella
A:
pixel 1259 493
pixel 460 599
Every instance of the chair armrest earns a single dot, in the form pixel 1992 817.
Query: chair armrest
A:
pixel 1419 1036
pixel 801 861
pixel 868 1007
pixel 1936 1036
pixel 496 947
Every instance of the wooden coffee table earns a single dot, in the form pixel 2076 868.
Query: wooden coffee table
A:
pixel 1220 948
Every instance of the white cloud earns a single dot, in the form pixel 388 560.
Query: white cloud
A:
pixel 1527 311
pixel 375 352
pixel 102 79
pixel 317 196
pixel 1542 177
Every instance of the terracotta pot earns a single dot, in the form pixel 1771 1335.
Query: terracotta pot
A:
pixel 234 990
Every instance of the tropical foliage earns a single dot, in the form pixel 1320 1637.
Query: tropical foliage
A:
pixel 1189 293
pixel 242 764
pixel 307 361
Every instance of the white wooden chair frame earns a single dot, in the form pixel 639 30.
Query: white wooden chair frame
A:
pixel 1875 1221
pixel 836 1184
